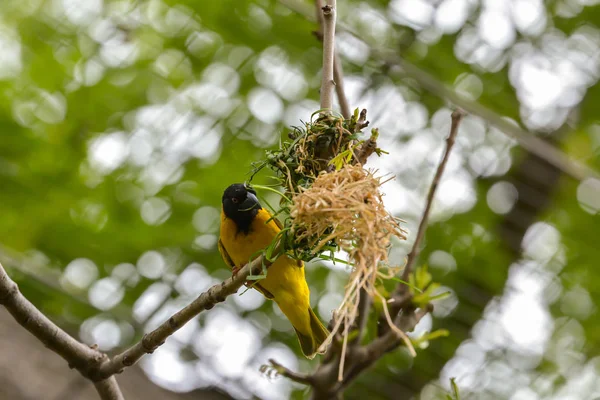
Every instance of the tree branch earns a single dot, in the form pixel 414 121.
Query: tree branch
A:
pixel 401 289
pixel 152 340
pixel 96 365
pixel 294 376
pixel 338 77
pixel 338 73
pixel 359 358
pixel 327 82
pixel 457 116
pixel 372 352
pixel 364 306
pixel 109 389
pixel 50 277
pixel 77 354
pixel 405 322
pixel 368 147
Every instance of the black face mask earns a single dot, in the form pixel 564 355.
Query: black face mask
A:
pixel 241 205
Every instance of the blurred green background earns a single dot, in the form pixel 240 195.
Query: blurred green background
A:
pixel 121 123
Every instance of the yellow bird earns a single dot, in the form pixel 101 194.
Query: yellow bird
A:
pixel 247 228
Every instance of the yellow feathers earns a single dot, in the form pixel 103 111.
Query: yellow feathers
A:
pixel 244 232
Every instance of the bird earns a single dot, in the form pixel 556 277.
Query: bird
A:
pixel 246 229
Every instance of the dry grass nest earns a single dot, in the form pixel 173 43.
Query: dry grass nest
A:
pixel 346 207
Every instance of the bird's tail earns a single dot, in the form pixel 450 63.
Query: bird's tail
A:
pixel 318 333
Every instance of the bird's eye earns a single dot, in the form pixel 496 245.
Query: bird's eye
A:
pixel 234 200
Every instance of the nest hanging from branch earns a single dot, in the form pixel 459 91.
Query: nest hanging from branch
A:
pixel 346 207
pixel 332 203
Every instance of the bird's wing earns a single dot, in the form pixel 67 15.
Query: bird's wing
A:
pixel 225 255
pixel 231 264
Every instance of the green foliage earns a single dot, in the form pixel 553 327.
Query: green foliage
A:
pixel 423 288
pixel 133 69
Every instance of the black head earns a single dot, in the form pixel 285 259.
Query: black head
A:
pixel 241 205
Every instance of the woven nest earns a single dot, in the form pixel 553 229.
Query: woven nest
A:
pixel 332 203
pixel 346 207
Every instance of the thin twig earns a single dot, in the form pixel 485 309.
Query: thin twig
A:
pixel 327 82
pixel 95 365
pixel 405 322
pixel 338 72
pixel 319 18
pixel 367 148
pixel 109 389
pixel 362 121
pixel 364 306
pixel 78 355
pixel 49 277
pixel 295 376
pixel 152 340
pixel 338 76
pixel 457 116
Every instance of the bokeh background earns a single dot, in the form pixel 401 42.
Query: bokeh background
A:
pixel 121 122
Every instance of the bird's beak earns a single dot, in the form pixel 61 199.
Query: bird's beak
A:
pixel 250 202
